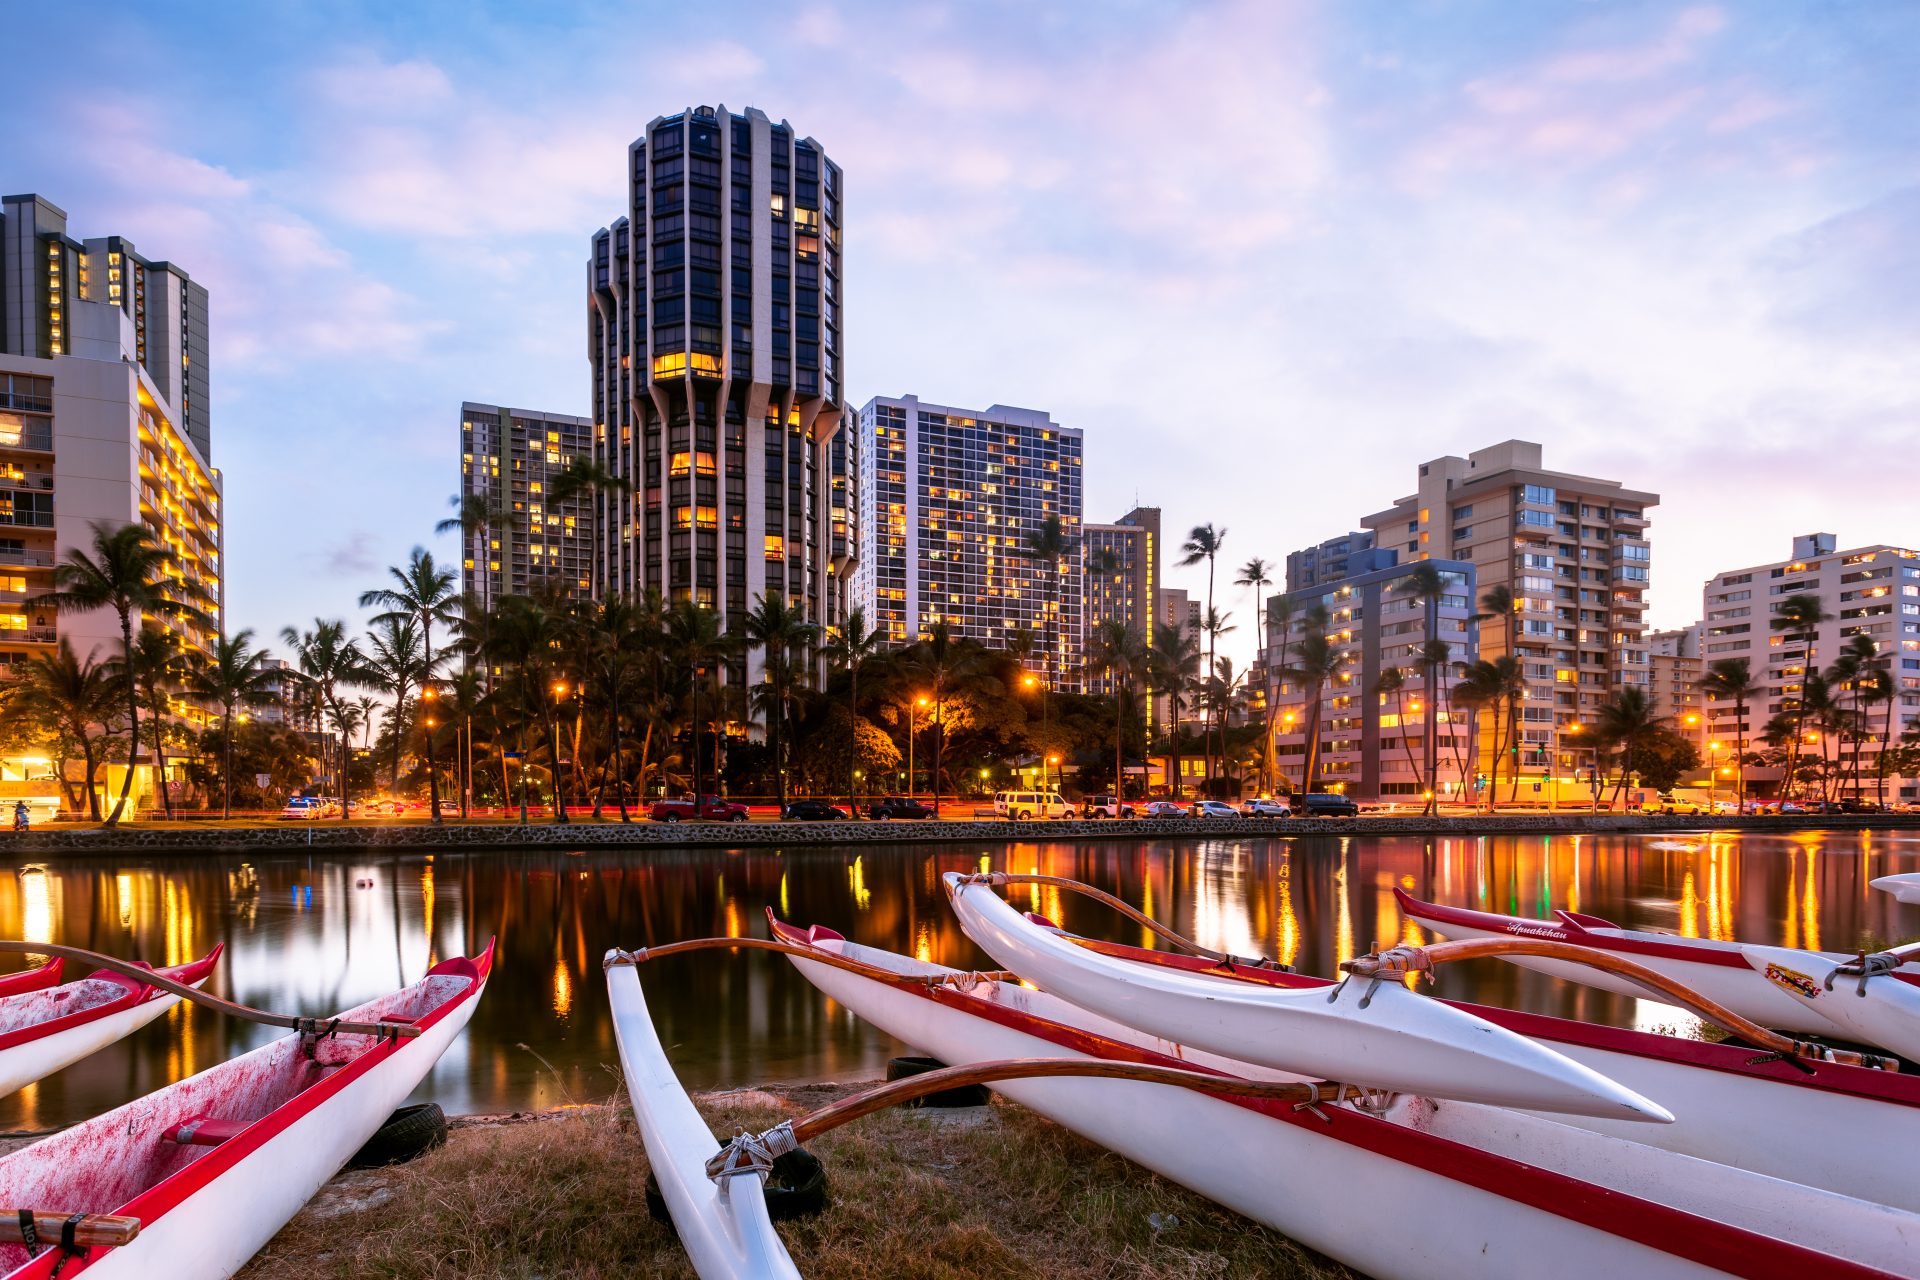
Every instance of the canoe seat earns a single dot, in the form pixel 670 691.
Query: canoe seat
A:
pixel 203 1131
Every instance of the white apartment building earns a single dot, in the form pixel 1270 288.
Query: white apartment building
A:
pixel 947 498
pixel 1871 590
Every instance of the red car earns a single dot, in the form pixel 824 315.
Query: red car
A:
pixel 712 809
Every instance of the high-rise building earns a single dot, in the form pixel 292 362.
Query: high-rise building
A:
pixel 1373 731
pixel 1336 560
pixel 1122 562
pixel 1871 591
pixel 44 272
pixel 1673 661
pixel 1572 550
pixel 93 429
pixel 714 336
pixel 509 459
pixel 948 498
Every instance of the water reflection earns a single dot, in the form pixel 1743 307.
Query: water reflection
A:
pixel 313 936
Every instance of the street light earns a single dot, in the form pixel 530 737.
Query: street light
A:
pixel 1593 779
pixel 1055 762
pixel 1713 776
pixel 553 747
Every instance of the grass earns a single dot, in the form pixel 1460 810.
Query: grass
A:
pixel 912 1197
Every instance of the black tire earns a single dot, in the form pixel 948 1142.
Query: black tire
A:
pixel 797 1188
pixel 966 1095
pixel 1022 816
pixel 736 817
pixel 669 817
pixel 408 1133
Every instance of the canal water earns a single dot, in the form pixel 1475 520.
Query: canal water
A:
pixel 311 937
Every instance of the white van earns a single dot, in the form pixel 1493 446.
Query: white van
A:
pixel 1031 804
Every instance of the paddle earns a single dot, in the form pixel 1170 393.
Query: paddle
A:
pixel 305 1026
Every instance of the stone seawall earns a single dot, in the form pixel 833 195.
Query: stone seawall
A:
pixel 186 839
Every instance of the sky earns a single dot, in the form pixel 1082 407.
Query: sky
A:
pixel 1270 256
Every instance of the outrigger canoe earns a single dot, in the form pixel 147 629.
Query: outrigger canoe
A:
pixel 1716 970
pixel 1866 1005
pixel 1847 1129
pixel 44 1028
pixel 1404 1188
pixel 1386 1037
pixel 214 1165
pixel 1905 887
pixel 33 979
pixel 722 1223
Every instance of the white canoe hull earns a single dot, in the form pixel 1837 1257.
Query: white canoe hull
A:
pixel 1392 1218
pixel 23 1064
pixel 1398 1039
pixel 1905 887
pixel 1718 973
pixel 723 1226
pixel 1885 1011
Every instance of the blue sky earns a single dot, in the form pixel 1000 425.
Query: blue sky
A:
pixel 1270 256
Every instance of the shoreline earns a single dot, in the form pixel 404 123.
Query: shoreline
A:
pixel 424 837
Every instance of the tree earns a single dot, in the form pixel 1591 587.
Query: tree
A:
pixel 583 477
pixel 395 667
pixel 1280 614
pixel 1121 652
pixel 1495 685
pixel 1203 543
pixel 1256 575
pixel 1316 660
pixel 524 639
pixel 1215 624
pixel 158 665
pixel 698 645
pixel 1392 683
pixel 234 674
pixel 133 575
pixel 1857 670
pixel 75 699
pixel 1050 545
pixel 849 646
pixel 1626 718
pixel 779 629
pixel 327 664
pixel 1499 602
pixel 1731 680
pixel 1427 584
pixel 950 666
pixel 425 592
pixel 1173 666
pixel 1799 618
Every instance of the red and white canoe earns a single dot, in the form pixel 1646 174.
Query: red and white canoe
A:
pixel 722 1223
pixel 1420 1191
pixel 214 1165
pixel 1716 970
pixel 33 979
pixel 44 1028
pixel 1842 1128
pixel 1384 1037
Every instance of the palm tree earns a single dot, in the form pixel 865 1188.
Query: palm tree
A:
pixel 1731 680
pixel 1203 543
pixel 698 645
pixel 72 697
pixel 1627 717
pixel 1121 652
pixel 1316 660
pixel 610 647
pixel 1393 683
pixel 1215 624
pixel 424 592
pixel 137 578
pixel 233 674
pixel 524 639
pixel 395 667
pixel 1427 584
pixel 1280 614
pixel 1799 618
pixel 952 666
pixel 1173 666
pixel 848 646
pixel 327 664
pixel 479 513
pixel 1435 655
pixel 1498 602
pixel 1255 575
pixel 158 664
pixel 1857 670
pixel 1496 685
pixel 780 629
pixel 583 477
pixel 1050 544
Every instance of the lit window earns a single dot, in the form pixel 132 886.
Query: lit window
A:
pixel 776 546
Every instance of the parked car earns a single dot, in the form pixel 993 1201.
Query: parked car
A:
pixel 1031 804
pixel 711 809
pixel 1214 809
pixel 898 807
pixel 813 811
pixel 1263 808
pixel 1105 807
pixel 1325 804
pixel 1669 804
pixel 1163 809
pixel 1791 806
pixel 1853 804
pixel 303 808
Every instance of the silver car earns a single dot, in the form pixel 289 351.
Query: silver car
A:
pixel 1214 809
pixel 1261 808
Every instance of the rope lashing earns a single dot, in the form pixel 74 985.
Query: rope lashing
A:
pixel 1865 966
pixel 615 956
pixel 753 1153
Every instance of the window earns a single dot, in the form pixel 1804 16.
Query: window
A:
pixel 1463 513
pixel 1538 495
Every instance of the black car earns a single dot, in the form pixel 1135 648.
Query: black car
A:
pixel 1325 804
pixel 898 807
pixel 813 811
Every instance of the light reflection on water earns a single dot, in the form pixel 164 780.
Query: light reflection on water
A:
pixel 307 937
